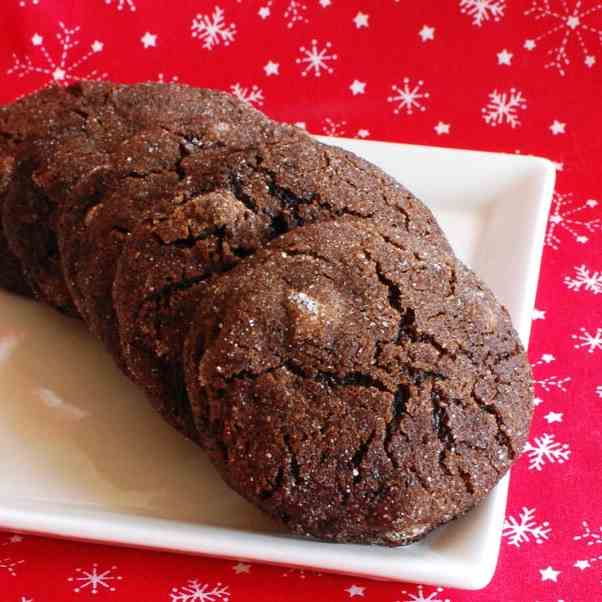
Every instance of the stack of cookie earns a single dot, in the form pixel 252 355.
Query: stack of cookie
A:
pixel 283 303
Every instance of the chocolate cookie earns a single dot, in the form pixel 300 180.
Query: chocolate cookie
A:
pixel 23 203
pixel 166 126
pixel 359 385
pixel 229 205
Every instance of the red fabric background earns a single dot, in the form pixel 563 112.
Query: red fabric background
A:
pixel 459 62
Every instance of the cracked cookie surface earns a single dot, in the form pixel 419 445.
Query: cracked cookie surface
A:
pixel 29 261
pixel 232 203
pixel 357 383
pixel 165 124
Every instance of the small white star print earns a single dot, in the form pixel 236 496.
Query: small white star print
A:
pixel 547 358
pixel 427 33
pixel 529 44
pixel 582 565
pixel 504 57
pixel 264 12
pixel 241 567
pixel 539 314
pixel 271 68
pixel 148 40
pixel 553 417
pixel 442 128
pixel 325 3
pixel 357 87
pixel 37 39
pixel 557 127
pixel 97 46
pixel 355 590
pixel 549 574
pixel 361 20
pixel 362 133
pixel 537 401
pixel 590 61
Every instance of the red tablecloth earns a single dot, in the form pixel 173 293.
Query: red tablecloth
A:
pixel 507 75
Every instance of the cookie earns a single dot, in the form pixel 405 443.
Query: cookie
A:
pixel 230 205
pixel 166 126
pixel 357 385
pixel 30 205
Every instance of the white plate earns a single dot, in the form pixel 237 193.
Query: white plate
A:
pixel 83 456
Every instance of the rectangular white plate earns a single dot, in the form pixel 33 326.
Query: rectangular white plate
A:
pixel 83 456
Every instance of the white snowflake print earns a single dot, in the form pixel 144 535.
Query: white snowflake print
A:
pixel 194 591
pixel 525 528
pixel 483 10
pixel 213 30
pixel 584 279
pixel 164 79
pixel 503 107
pixel 568 27
pixel 316 61
pixel 563 217
pixel 590 538
pixel 252 95
pixel 333 128
pixel 546 449
pixel 60 70
pixel 10 566
pixel 423 596
pixel 592 341
pixel 121 4
pixel 549 382
pixel 93 580
pixel 408 97
pixel 295 13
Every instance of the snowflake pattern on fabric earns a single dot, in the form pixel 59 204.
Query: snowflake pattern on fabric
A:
pixel 94 581
pixel 408 98
pixel 420 595
pixel 525 528
pixel 584 279
pixel 590 538
pixel 591 341
pixel 252 95
pixel 563 216
pixel 195 591
pixel 546 449
pixel 123 4
pixel 59 70
pixel 10 566
pixel 212 29
pixel 503 108
pixel 295 13
pixel 572 25
pixel 316 61
pixel 549 382
pixel 483 10
pixel 330 127
pixel 12 539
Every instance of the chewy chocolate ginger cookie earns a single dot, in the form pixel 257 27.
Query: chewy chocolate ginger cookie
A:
pixel 284 303
pixel 357 386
